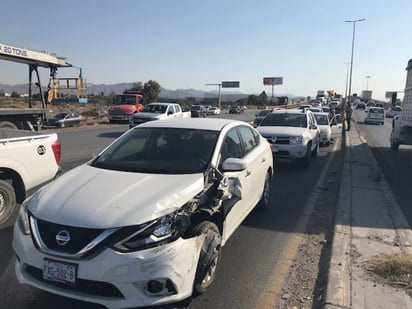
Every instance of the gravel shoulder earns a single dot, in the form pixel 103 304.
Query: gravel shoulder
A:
pixel 307 279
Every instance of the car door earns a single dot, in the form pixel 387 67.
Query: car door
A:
pixel 257 162
pixel 314 130
pixel 336 126
pixel 236 208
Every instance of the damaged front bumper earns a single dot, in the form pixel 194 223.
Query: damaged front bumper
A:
pixel 154 276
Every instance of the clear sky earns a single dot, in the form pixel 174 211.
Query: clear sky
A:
pixel 188 43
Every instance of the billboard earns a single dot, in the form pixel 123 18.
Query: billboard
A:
pixel 272 80
pixel 388 94
pixel 230 84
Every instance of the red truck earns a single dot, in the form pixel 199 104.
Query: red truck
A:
pixel 125 105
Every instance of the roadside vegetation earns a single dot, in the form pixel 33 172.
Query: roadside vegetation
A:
pixel 394 270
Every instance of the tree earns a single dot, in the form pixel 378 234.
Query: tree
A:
pixel 252 100
pixel 137 86
pixel 262 99
pixel 151 91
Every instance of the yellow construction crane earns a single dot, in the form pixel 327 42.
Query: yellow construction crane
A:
pixel 63 89
pixel 58 90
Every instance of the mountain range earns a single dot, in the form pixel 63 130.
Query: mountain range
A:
pixel 109 89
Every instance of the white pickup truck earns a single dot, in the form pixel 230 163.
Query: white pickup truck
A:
pixel 27 160
pixel 158 111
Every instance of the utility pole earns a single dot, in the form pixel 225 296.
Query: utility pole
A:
pixel 219 86
pixel 350 76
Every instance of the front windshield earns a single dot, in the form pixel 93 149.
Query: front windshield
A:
pixel 160 150
pixel 284 120
pixel 322 119
pixel 125 99
pixel 264 112
pixel 158 109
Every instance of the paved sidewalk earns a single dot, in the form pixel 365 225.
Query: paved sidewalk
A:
pixel 368 223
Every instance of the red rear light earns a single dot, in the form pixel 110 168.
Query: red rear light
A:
pixel 57 150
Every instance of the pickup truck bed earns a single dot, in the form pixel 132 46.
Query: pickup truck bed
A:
pixel 27 160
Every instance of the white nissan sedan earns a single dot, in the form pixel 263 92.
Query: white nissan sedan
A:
pixel 143 223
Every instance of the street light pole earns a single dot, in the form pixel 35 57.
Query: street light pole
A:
pixel 367 82
pixel 351 58
pixel 347 78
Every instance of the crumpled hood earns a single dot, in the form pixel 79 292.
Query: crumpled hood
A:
pixel 97 198
pixel 281 131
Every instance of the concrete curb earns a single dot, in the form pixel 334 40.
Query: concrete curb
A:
pixel 341 278
pixel 338 291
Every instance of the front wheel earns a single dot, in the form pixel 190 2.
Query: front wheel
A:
pixel 209 256
pixel 394 145
pixel 306 159
pixel 7 201
pixel 316 150
pixel 267 189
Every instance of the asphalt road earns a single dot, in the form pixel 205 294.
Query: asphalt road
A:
pixel 249 258
pixel 396 165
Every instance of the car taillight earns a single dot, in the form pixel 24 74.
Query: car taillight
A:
pixel 57 151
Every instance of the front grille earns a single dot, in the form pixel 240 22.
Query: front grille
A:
pixel 116 112
pixel 79 237
pixel 280 140
pixel 89 287
pixel 282 153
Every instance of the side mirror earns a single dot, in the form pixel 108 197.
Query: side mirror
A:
pixel 234 165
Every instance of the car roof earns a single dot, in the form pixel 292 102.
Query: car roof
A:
pixel 160 103
pixel 289 111
pixel 192 123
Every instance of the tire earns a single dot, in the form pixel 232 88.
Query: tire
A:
pixel 316 151
pixel 7 201
pixel 394 145
pixel 209 256
pixel 306 160
pixel 264 201
pixel 7 125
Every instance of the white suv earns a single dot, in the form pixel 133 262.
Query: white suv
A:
pixel 293 134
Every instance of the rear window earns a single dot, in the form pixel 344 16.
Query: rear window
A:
pixel 376 111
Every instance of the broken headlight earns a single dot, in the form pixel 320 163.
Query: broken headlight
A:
pixel 148 235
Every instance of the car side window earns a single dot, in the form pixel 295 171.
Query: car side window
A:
pixel 249 139
pixel 231 147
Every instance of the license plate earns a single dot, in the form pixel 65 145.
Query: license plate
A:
pixel 275 148
pixel 59 271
